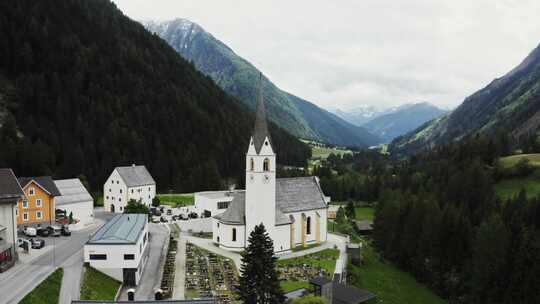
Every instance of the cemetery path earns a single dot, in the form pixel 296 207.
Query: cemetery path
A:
pixel 180 274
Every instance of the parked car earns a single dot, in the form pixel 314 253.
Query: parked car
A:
pixel 65 230
pixel 54 230
pixel 29 231
pixel 193 215
pixel 163 220
pixel 37 243
pixel 169 211
pixel 155 219
pixel 43 232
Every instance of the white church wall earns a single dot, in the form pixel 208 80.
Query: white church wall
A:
pixel 312 237
pixel 226 237
pixel 282 238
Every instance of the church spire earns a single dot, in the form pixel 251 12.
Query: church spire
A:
pixel 260 132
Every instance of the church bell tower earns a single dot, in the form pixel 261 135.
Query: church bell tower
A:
pixel 260 174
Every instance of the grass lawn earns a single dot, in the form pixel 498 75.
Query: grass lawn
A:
pixel 289 286
pixel 325 259
pixel 391 285
pixel 324 152
pixel 510 161
pixel 364 213
pixel 98 286
pixel 175 200
pixel 508 188
pixel 48 291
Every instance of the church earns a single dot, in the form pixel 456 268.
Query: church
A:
pixel 293 210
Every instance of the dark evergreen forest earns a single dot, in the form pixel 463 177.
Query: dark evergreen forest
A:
pixel 84 89
pixel 437 217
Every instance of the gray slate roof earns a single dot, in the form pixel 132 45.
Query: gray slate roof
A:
pixel 73 191
pixel 299 194
pixel 44 181
pixel 235 213
pixel 121 229
pixel 260 132
pixel 9 186
pixel 292 195
pixel 135 176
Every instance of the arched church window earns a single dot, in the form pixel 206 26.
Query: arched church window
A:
pixel 308 225
pixel 234 234
pixel 266 165
pixel 251 165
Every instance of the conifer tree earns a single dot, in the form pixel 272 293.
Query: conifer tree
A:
pixel 259 282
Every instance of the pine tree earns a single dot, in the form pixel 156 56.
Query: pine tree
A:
pixel 259 282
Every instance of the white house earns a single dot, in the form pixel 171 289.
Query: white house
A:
pixel 126 183
pixel 75 199
pixel 293 210
pixel 11 194
pixel 120 248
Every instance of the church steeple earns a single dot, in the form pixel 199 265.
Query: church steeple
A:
pixel 260 132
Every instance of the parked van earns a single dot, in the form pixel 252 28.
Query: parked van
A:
pixel 54 230
pixel 29 231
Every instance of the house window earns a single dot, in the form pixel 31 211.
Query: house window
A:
pixel 16 211
pixel 39 215
pixel 25 204
pixel 266 165
pixel 39 203
pixel 120 190
pixel 131 191
pixel 223 205
pixel 31 192
pixel 107 197
pixel 101 257
pixel 119 199
pixel 234 234
pixel 117 182
pixel 120 208
pixel 110 190
pixel 149 189
pixel 308 225
pixel 218 225
pixel 25 216
pixel 129 257
pixel 218 239
pixel 112 182
pixel 251 165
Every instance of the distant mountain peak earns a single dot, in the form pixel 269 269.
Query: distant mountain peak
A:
pixel 234 75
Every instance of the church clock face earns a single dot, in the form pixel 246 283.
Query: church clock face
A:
pixel 266 178
pixel 251 178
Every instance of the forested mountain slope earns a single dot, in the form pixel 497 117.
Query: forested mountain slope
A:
pixel 403 120
pixel 235 75
pixel 509 104
pixel 86 89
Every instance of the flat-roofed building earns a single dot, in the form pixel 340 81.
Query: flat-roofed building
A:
pixel 120 248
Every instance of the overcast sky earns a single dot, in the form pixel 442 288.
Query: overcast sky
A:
pixel 346 53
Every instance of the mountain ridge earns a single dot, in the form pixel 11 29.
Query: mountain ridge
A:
pixel 233 73
pixel 508 104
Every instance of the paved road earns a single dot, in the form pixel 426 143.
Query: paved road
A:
pixel 151 277
pixel 24 277
pixel 71 282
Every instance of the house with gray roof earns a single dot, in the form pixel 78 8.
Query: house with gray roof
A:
pixel 11 194
pixel 128 183
pixel 120 248
pixel 293 210
pixel 75 201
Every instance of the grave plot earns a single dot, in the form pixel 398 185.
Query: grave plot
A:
pixel 295 273
pixel 209 275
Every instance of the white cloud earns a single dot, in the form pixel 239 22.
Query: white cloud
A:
pixel 378 52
